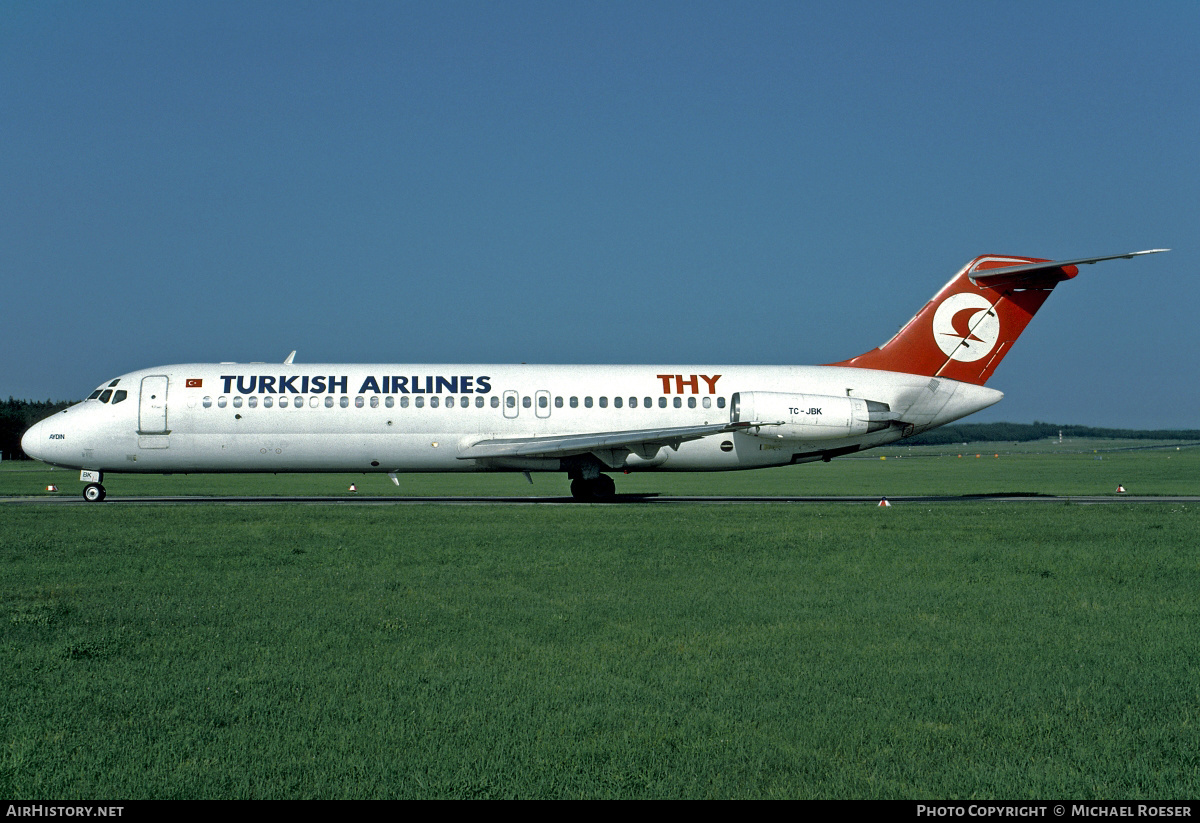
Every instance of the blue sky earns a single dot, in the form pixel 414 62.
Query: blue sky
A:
pixel 596 183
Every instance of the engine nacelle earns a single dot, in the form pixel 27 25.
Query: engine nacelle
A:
pixel 807 416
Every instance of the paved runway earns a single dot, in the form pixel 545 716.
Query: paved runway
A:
pixel 620 499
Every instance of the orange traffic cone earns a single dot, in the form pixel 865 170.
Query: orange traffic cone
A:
pixel 884 502
pixel 353 488
pixel 1120 489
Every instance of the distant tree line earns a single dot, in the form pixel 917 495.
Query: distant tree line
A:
pixel 18 415
pixel 1022 432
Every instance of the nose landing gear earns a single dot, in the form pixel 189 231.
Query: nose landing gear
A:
pixel 93 492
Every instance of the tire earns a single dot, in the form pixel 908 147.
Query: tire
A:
pixel 93 493
pixel 589 491
pixel 583 490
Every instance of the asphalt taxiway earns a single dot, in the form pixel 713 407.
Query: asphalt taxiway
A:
pixel 620 499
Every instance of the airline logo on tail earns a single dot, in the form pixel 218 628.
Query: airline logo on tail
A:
pixel 970 336
pixel 965 327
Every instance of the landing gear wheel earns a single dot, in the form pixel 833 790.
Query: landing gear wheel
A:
pixel 93 492
pixel 599 488
pixel 581 490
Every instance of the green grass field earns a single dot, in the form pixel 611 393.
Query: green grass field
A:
pixel 965 650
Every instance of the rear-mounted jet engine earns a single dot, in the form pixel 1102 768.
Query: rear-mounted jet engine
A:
pixel 808 416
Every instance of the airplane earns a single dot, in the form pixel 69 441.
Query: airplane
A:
pixel 581 420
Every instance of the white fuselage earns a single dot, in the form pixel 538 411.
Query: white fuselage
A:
pixel 422 418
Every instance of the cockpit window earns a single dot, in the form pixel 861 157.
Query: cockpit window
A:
pixel 102 396
pixel 120 395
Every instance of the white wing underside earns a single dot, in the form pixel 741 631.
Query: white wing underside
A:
pixel 644 442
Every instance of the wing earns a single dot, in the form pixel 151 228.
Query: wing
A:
pixel 644 442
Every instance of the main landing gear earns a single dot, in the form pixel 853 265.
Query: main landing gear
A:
pixel 600 487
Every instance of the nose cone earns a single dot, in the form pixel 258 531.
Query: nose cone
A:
pixel 33 442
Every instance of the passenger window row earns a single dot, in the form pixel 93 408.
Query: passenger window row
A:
pixel 329 402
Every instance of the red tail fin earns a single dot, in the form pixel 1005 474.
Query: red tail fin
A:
pixel 966 329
